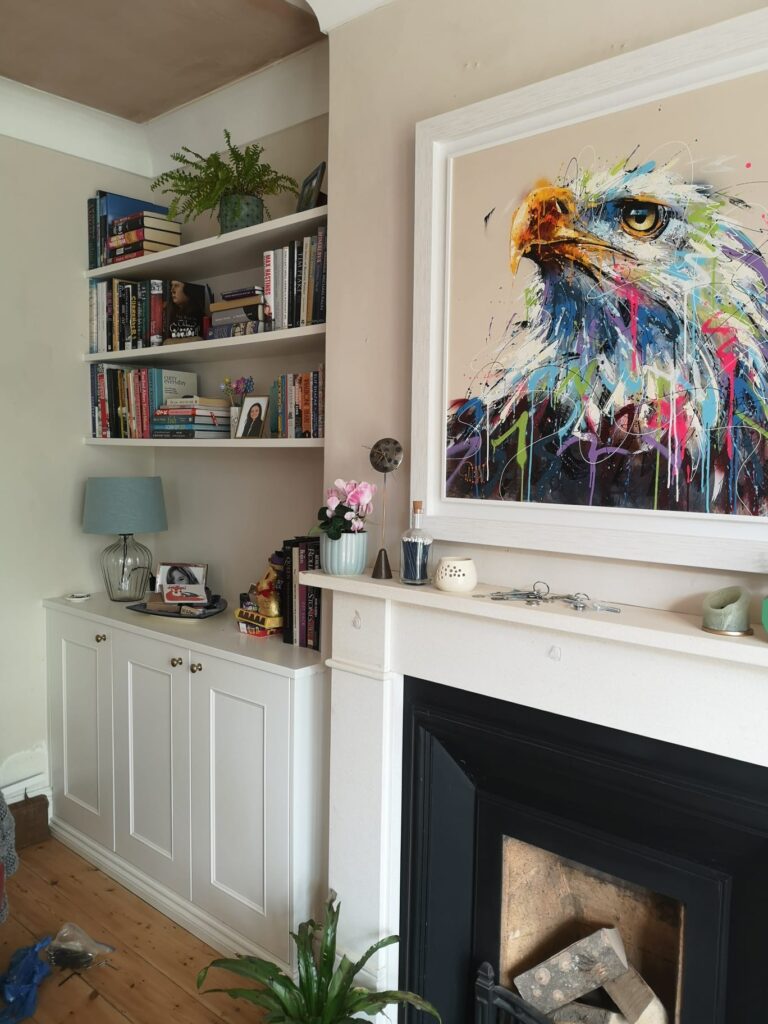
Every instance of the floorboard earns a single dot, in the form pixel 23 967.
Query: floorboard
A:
pixel 152 977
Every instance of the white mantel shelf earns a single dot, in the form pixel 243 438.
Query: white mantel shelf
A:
pixel 643 627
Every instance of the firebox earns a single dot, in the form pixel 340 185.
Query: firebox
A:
pixel 524 832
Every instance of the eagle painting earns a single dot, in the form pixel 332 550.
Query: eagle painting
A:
pixel 637 376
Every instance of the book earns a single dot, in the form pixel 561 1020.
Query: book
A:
pixel 199 401
pixel 146 235
pixel 165 384
pixel 242 293
pixel 184 310
pixel 269 280
pixel 111 207
pixel 144 219
pixel 238 315
pixel 134 248
pixel 305 264
pixel 247 302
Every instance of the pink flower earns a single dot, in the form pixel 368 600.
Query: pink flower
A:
pixel 361 494
pixel 349 515
pixel 332 501
pixel 357 525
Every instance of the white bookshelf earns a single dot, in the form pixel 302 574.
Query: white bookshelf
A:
pixel 181 442
pixel 208 259
pixel 223 254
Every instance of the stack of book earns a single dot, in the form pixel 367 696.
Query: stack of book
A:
pixel 298 404
pixel 192 416
pixel 239 312
pixel 140 233
pixel 295 281
pixel 105 209
pixel 127 315
pixel 300 605
pixel 124 399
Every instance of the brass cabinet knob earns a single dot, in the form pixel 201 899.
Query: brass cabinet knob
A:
pixel 197 667
pixel 101 637
pixel 175 662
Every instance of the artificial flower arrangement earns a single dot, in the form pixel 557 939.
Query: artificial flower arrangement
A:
pixel 237 390
pixel 347 504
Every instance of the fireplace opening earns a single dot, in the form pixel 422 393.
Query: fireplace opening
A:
pixel 525 831
pixel 549 902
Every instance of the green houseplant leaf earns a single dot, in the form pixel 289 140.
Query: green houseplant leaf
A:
pixel 324 993
pixel 200 182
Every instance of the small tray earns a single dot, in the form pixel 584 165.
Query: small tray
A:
pixel 218 605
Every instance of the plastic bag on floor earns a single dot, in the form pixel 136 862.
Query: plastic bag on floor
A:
pixel 19 984
pixel 74 950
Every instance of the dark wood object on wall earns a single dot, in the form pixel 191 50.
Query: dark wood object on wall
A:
pixel 31 818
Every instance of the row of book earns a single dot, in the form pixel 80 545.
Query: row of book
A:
pixel 126 315
pixel 124 399
pixel 300 604
pixel 298 404
pixel 111 215
pixel 295 281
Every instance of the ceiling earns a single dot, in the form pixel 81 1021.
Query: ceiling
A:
pixel 141 59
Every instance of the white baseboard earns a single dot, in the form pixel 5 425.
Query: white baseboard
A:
pixel 218 935
pixel 33 786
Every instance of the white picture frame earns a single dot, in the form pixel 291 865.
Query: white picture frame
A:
pixel 723 52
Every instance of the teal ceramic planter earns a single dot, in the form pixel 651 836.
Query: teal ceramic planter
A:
pixel 346 556
pixel 237 212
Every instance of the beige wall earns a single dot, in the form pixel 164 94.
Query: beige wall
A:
pixel 402 63
pixel 43 419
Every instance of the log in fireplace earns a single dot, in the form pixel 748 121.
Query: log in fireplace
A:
pixel 524 831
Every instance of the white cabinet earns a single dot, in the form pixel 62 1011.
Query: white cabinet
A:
pixel 219 768
pixel 80 718
pixel 241 776
pixel 151 716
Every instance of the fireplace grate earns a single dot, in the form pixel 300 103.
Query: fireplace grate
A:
pixel 495 1004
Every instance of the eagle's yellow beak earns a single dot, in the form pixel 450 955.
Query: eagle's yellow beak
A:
pixel 544 222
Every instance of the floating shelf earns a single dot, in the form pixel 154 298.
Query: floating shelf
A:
pixel 293 341
pixel 223 254
pixel 226 442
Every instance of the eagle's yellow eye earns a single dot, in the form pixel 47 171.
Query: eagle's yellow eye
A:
pixel 643 219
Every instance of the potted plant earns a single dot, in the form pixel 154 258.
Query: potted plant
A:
pixel 323 995
pixel 343 540
pixel 235 183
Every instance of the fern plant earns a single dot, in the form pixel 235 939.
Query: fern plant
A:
pixel 201 182
pixel 324 994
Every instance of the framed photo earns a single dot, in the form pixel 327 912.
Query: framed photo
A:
pixel 591 310
pixel 181 573
pixel 310 189
pixel 253 417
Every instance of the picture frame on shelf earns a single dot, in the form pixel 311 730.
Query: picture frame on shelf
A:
pixel 253 417
pixel 578 385
pixel 309 193
pixel 182 573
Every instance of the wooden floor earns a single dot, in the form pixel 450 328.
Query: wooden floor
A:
pixel 155 962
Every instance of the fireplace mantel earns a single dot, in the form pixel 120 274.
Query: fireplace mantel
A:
pixel 647 672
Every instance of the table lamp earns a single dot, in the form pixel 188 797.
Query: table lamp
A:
pixel 125 505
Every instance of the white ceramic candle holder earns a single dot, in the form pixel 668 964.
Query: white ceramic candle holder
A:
pixel 456 575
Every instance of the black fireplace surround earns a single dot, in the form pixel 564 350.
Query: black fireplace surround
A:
pixel 682 823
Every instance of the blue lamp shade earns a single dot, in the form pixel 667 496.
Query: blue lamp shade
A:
pixel 124 504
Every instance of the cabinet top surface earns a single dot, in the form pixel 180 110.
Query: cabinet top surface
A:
pixel 218 635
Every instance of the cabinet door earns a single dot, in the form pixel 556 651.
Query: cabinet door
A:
pixel 80 724
pixel 241 799
pixel 151 686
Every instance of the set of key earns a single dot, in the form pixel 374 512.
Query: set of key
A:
pixel 540 593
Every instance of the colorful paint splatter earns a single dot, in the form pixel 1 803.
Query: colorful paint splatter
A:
pixel 638 376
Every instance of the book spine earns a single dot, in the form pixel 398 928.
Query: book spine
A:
pixel 95 417
pixel 269 279
pixel 122 316
pixel 101 227
pixel 323 280
pixel 155 312
pixel 287 595
pixel 321 402
pixel 318 276
pixel 285 310
pixel 277 287
pixel 306 405
pixel 302 598
pixel 298 248
pixel 115 339
pixel 314 401
pixel 295 609
pixel 137 221
pixel 122 257
pixel 93 317
pixel 93 239
pixel 305 265
pixel 101 393
pixel 152 373
pixel 144 386
pixel 311 279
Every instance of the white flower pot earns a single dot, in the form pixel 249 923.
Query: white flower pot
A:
pixel 457 575
pixel 345 556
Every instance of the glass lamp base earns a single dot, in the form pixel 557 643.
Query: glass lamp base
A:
pixel 126 565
